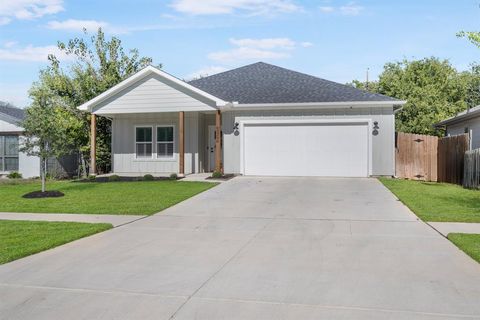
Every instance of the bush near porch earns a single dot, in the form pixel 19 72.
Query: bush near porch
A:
pixel 136 198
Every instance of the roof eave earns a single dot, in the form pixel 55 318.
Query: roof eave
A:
pixel 12 120
pixel 458 119
pixel 396 104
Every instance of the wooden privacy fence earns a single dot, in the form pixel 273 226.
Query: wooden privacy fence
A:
pixel 429 158
pixel 451 155
pixel 471 173
pixel 416 156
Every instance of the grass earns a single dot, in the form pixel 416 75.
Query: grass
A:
pixel 137 198
pixel 468 243
pixel 440 202
pixel 22 238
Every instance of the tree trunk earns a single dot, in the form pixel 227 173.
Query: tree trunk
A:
pixel 84 166
pixel 44 173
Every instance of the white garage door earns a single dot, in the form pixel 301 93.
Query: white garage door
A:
pixel 306 149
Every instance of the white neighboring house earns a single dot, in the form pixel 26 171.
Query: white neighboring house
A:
pixel 259 119
pixel 11 159
pixel 467 121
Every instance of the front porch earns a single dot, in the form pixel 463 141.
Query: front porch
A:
pixel 163 143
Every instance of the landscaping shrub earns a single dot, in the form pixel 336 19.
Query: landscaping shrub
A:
pixel 173 176
pixel 14 175
pixel 148 177
pixel 217 174
pixel 113 178
pixel 92 177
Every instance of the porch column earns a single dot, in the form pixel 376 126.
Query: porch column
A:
pixel 218 142
pixel 181 128
pixel 93 144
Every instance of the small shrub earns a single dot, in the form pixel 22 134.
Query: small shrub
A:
pixel 14 175
pixel 113 178
pixel 148 177
pixel 92 177
pixel 217 175
pixel 173 176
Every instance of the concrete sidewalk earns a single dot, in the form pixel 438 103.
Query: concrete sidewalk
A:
pixel 455 227
pixel 115 220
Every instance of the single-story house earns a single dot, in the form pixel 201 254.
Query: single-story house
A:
pixel 467 121
pixel 11 159
pixel 259 119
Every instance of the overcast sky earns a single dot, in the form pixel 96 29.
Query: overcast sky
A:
pixel 335 40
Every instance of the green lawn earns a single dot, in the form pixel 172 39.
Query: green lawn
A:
pixel 469 243
pixel 437 201
pixel 22 238
pixel 138 197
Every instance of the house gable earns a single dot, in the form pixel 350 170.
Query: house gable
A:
pixel 153 93
pixel 8 124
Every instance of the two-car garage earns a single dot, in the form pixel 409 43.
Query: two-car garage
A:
pixel 307 148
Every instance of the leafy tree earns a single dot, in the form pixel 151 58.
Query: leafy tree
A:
pixel 48 128
pixel 433 88
pixel 98 64
pixel 472 36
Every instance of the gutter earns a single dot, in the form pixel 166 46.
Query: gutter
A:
pixel 313 105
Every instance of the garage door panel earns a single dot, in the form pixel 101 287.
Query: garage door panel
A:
pixel 313 149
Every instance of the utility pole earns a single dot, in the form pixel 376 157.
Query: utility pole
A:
pixel 366 83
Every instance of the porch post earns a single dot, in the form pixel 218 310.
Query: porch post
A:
pixel 181 143
pixel 93 144
pixel 218 142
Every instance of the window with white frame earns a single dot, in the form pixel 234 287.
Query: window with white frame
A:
pixel 8 153
pixel 143 142
pixel 165 141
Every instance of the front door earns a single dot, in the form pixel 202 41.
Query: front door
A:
pixel 211 148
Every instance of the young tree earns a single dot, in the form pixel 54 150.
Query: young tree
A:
pixel 98 64
pixel 48 129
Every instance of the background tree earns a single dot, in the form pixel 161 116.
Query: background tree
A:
pixel 433 88
pixel 48 128
pixel 98 64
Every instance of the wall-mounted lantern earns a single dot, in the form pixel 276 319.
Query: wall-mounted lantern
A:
pixel 235 128
pixel 375 128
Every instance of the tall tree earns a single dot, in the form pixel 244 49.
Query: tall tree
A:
pixel 433 88
pixel 98 64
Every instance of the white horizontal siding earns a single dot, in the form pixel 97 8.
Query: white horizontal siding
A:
pixel 9 127
pixel 123 144
pixel 473 126
pixel 152 94
pixel 383 162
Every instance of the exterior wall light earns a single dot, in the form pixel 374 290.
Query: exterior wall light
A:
pixel 235 128
pixel 375 128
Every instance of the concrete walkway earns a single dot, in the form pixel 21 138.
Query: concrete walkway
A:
pixel 255 248
pixel 115 220
pixel 455 227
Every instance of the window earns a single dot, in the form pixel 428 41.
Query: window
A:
pixel 165 142
pixel 143 142
pixel 8 153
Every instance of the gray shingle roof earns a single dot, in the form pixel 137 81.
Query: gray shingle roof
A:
pixel 11 111
pixel 265 83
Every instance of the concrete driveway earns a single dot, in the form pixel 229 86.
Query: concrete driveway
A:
pixel 255 248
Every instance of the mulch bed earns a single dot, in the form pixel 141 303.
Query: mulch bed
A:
pixel 124 179
pixel 40 194
pixel 225 177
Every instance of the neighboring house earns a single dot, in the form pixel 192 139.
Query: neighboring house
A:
pixel 255 120
pixel 467 121
pixel 11 159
